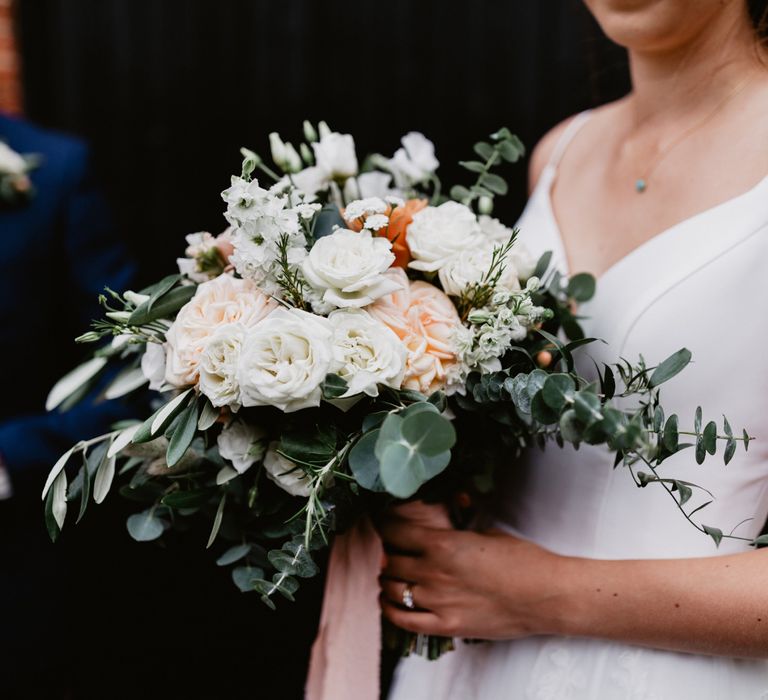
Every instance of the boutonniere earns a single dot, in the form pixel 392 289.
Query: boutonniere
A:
pixel 15 185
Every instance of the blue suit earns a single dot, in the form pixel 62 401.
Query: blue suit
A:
pixel 58 254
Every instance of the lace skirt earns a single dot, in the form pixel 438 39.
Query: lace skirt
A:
pixel 559 668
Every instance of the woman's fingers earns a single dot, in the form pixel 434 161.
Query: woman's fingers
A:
pixel 419 621
pixel 403 536
pixel 404 568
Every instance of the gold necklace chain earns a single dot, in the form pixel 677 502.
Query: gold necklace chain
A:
pixel 641 183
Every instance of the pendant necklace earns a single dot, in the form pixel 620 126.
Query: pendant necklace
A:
pixel 641 183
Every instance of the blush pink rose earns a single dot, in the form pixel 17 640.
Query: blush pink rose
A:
pixel 220 301
pixel 424 318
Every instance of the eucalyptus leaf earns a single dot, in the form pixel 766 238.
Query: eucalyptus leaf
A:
pixel 558 391
pixel 582 286
pixel 125 382
pixel 165 307
pixel 245 577
pixel 74 380
pixel 715 533
pixel 217 521
pixel 145 526
pixel 494 183
pixel 730 450
pixel 671 435
pixel 105 474
pixel 428 433
pixel 234 554
pixel 483 149
pixel 709 437
pixel 57 469
pixel 670 367
pixel 364 464
pixel 209 414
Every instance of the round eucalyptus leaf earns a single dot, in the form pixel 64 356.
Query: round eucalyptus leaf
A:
pixel 364 463
pixel 144 527
pixel 582 287
pixel 570 427
pixel 388 433
pixel 402 470
pixel 587 407
pixel 428 433
pixel 557 391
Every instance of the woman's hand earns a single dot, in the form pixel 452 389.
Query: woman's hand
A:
pixel 486 585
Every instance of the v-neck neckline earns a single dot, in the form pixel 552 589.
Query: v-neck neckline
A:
pixel 547 180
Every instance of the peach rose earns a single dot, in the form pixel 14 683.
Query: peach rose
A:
pixel 399 221
pixel 423 318
pixel 220 301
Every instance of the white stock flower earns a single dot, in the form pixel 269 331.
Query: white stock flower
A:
pixel 263 221
pixel 218 366
pixel 153 365
pixel 414 162
pixel 286 474
pixel 438 233
pixel 10 161
pixel 284 360
pixel 347 267
pixel 242 444
pixel 335 155
pixel 365 352
pixel 376 222
pixel 218 302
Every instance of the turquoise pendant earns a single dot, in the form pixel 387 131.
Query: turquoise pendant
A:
pixel 640 185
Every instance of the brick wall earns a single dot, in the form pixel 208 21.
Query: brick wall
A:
pixel 10 91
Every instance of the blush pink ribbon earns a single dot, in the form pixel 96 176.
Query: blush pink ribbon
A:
pixel 345 660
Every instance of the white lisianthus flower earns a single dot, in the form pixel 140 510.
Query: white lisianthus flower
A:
pixel 153 365
pixel 286 474
pixel 10 161
pixel 470 267
pixel 366 353
pixel 347 267
pixel 415 162
pixel 335 155
pixel 371 184
pixel 220 301
pixel 284 360
pixel 242 444
pixel 218 366
pixel 438 233
pixel 310 181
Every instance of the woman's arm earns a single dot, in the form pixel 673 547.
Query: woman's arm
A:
pixel 495 586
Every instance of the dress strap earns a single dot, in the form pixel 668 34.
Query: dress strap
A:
pixel 567 136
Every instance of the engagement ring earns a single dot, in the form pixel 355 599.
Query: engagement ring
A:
pixel 408 597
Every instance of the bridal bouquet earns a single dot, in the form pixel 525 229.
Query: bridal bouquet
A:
pixel 353 337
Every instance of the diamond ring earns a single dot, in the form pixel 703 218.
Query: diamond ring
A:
pixel 408 597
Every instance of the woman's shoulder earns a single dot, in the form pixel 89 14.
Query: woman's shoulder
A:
pixel 545 148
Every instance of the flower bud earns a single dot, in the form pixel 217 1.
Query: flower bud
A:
pixel 532 284
pixel 89 337
pixel 485 205
pixel 324 130
pixel 134 298
pixel 544 359
pixel 306 154
pixel 478 316
pixel 119 316
pixel 277 148
pixel 309 132
pixel 292 158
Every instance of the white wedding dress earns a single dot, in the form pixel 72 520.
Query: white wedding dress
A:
pixel 702 284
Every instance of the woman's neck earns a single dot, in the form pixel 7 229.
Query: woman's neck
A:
pixel 694 76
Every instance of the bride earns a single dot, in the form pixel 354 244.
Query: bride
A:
pixel 591 587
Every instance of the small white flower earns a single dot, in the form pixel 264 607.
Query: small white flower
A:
pixel 347 267
pixel 394 201
pixel 335 155
pixel 438 233
pixel 364 207
pixel 286 474
pixel 365 352
pixel 218 366
pixel 153 365
pixel 242 444
pixel 284 360
pixel 415 162
pixel 376 222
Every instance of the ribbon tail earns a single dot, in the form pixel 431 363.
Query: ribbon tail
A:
pixel 346 655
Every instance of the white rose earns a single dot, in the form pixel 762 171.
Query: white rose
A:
pixel 519 256
pixel 10 161
pixel 242 444
pixel 470 267
pixel 438 233
pixel 218 366
pixel 347 268
pixel 153 365
pixel 414 162
pixel 365 352
pixel 284 360
pixel 218 302
pixel 335 155
pixel 286 474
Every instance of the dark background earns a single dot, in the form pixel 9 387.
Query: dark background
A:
pixel 166 92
